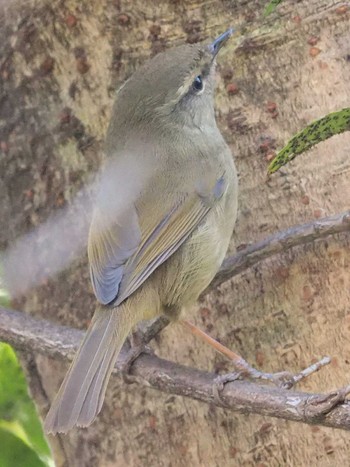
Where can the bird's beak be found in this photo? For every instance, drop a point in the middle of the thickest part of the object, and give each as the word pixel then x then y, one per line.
pixel 216 45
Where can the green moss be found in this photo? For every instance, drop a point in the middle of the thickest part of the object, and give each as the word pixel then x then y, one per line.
pixel 320 130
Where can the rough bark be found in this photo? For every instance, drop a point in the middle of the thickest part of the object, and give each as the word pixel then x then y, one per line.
pixel 333 409
pixel 60 62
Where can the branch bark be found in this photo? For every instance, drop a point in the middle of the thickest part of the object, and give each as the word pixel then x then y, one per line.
pixel 26 333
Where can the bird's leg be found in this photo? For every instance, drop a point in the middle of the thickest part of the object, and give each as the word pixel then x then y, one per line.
pixel 151 329
pixel 138 341
pixel 282 379
pixel 138 345
pixel 242 366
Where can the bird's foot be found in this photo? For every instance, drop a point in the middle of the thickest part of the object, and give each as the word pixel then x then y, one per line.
pixel 219 384
pixel 137 347
pixel 282 379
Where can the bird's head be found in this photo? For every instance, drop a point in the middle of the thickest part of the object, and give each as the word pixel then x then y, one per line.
pixel 173 88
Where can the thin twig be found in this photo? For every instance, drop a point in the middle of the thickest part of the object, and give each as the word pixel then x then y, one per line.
pixel 40 336
pixel 313 368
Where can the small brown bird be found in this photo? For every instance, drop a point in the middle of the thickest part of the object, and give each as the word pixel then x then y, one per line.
pixel 157 253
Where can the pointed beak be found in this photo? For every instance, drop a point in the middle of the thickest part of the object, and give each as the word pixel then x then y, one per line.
pixel 216 45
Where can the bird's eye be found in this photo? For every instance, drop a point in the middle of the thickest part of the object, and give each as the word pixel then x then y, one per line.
pixel 198 83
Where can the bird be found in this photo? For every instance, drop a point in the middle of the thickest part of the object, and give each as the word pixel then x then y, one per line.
pixel 153 250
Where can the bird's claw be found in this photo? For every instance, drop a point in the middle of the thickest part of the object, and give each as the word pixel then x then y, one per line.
pixel 283 379
pixel 219 384
pixel 137 347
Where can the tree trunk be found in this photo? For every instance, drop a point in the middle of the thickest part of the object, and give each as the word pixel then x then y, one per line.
pixel 60 63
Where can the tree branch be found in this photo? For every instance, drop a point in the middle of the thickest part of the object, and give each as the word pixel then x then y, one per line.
pixel 26 333
pixel 279 242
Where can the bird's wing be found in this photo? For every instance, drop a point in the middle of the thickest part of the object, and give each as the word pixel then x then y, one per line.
pixel 122 257
pixel 110 246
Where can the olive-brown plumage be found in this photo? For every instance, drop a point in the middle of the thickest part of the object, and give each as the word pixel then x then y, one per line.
pixel 157 252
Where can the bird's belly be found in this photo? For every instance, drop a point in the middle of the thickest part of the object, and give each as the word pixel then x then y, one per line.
pixel 190 270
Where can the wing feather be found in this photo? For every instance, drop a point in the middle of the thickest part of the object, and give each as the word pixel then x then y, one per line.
pixel 122 257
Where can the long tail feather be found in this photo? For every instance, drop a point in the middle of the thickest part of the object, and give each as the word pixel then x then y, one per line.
pixel 81 394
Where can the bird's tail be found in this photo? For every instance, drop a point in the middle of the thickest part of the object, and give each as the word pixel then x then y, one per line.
pixel 81 394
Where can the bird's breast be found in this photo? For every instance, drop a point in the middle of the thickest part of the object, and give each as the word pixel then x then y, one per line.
pixel 190 270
